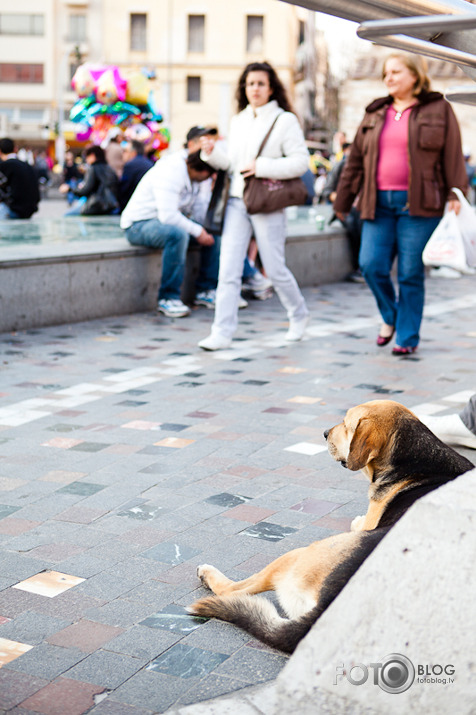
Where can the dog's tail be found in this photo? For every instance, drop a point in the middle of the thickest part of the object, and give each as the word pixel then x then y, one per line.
pixel 257 616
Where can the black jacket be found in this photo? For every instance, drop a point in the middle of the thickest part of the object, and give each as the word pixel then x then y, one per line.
pixel 19 188
pixel 101 188
pixel 132 173
pixel 97 174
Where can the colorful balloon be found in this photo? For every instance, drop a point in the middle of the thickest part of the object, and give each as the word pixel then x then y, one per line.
pixel 83 81
pixel 152 108
pixel 138 132
pixel 137 88
pixel 83 132
pixel 106 99
pixel 106 89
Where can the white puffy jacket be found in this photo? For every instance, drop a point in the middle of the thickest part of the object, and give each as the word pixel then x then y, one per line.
pixel 284 156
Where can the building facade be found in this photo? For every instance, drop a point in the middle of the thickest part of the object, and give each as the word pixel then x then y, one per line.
pixel 195 51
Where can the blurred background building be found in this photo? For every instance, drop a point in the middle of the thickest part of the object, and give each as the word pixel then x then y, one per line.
pixel 195 55
pixel 194 52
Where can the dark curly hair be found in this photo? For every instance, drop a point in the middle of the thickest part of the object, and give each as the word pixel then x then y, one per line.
pixel 98 152
pixel 279 93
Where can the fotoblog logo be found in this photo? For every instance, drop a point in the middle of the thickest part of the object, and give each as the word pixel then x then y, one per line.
pixel 395 673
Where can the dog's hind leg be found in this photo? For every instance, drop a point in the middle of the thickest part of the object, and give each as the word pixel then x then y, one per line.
pixel 294 600
pixel 264 580
pixel 213 579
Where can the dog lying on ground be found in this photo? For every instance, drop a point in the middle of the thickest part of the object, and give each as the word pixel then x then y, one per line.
pixel 403 461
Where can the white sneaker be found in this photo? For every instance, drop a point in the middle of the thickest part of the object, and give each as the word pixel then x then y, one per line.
pixel 450 429
pixel 445 272
pixel 242 303
pixel 173 308
pixel 215 342
pixel 297 328
pixel 263 294
pixel 206 298
pixel 257 282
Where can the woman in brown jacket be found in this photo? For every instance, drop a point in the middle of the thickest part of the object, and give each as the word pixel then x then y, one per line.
pixel 405 159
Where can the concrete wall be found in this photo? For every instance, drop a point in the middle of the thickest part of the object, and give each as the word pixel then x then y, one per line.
pixel 64 283
pixel 54 289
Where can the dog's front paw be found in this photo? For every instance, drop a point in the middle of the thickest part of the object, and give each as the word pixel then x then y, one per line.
pixel 203 572
pixel 357 523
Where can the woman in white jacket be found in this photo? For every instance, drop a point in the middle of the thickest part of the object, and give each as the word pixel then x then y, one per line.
pixel 261 98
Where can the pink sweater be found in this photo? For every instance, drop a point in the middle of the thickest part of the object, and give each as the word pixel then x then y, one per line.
pixel 393 166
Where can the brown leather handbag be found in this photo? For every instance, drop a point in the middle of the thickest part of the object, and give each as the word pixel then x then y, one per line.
pixel 263 196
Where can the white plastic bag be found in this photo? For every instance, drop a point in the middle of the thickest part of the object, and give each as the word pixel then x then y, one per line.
pixel 445 246
pixel 467 225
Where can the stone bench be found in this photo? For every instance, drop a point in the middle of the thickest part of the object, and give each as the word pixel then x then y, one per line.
pixel 55 271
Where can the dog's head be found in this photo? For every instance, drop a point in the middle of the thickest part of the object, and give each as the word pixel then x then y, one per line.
pixel 366 436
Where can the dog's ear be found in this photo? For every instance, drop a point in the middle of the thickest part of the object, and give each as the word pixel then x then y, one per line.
pixel 365 445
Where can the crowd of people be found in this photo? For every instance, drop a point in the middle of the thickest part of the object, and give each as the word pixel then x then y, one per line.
pixel 389 188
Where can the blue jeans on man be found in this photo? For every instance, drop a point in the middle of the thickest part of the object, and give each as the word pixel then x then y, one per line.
pixel 393 233
pixel 174 242
pixel 6 212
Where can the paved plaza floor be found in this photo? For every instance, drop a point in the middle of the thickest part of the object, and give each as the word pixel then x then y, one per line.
pixel 128 456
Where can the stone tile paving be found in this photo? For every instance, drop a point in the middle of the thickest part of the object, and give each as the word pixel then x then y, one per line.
pixel 128 457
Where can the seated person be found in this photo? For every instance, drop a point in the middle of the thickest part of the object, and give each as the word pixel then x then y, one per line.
pixel 166 211
pixel 19 192
pixel 99 192
pixel 136 164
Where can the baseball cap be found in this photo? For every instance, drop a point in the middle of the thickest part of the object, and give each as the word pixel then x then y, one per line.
pixel 200 131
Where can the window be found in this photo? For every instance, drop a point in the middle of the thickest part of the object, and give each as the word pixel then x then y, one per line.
pixel 254 34
pixel 11 24
pixel 31 115
pixel 196 33
pixel 7 111
pixel 77 28
pixel 194 89
pixel 21 74
pixel 302 32
pixel 139 32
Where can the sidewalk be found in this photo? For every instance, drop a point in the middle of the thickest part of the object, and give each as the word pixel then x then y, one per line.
pixel 128 457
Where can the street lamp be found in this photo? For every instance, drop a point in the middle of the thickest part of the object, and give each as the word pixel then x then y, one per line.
pixel 60 142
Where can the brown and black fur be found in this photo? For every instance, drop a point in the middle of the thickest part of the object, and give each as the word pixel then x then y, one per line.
pixel 403 461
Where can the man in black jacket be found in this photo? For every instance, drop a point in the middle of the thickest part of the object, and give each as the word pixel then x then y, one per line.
pixel 19 193
pixel 135 166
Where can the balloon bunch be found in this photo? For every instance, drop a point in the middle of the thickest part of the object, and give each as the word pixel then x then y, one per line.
pixel 108 98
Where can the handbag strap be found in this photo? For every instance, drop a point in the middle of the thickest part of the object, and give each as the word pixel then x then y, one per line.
pixel 267 136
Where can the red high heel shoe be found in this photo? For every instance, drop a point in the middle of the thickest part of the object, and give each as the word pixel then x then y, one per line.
pixel 382 340
pixel 397 350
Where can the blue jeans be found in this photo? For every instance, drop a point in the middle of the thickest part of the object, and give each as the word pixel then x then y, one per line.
pixel 6 212
pixel 174 242
pixel 393 233
pixel 248 270
pixel 76 207
pixel 207 278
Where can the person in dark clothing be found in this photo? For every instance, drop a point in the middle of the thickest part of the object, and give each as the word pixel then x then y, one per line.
pixel 71 175
pixel 19 193
pixel 99 192
pixel 353 222
pixel 135 166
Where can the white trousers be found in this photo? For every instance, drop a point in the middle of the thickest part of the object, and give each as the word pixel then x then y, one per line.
pixel 269 231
